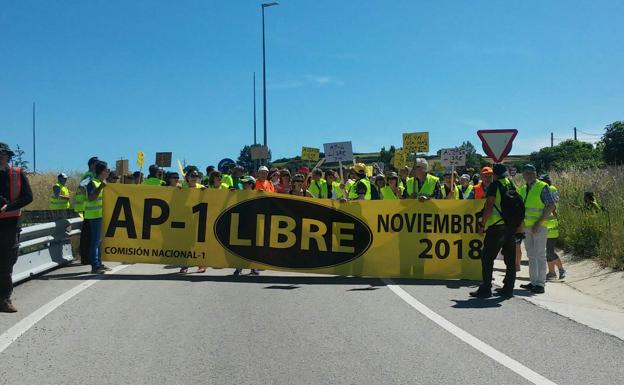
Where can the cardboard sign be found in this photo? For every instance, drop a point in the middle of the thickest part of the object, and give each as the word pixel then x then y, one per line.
pixel 163 159
pixel 310 153
pixel 122 167
pixel 338 152
pixel 140 159
pixel 453 157
pixel 400 159
pixel 259 152
pixel 416 142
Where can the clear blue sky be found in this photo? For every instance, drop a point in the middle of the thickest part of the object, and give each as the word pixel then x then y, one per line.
pixel 113 77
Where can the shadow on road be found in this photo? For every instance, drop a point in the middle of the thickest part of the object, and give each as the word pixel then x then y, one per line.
pixel 293 281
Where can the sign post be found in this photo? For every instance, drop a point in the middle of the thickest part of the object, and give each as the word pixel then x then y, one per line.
pixel 497 143
pixel 453 157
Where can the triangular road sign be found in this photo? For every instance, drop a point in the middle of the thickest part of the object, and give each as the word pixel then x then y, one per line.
pixel 497 143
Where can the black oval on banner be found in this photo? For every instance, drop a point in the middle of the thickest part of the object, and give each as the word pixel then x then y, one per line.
pixel 291 233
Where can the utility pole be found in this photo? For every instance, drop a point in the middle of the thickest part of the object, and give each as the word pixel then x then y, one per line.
pixel 34 141
pixel 254 107
pixel 552 139
pixel 575 133
pixel 264 101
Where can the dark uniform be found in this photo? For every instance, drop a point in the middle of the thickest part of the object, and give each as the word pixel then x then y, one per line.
pixel 15 193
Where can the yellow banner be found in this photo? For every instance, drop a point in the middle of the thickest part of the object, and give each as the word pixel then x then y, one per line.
pixel 250 229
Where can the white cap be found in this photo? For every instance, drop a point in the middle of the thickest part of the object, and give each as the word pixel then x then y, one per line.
pixel 465 176
pixel 263 168
pixel 62 175
pixel 422 162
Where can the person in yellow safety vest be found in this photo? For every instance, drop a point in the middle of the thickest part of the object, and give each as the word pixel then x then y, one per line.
pixel 466 186
pixel 552 224
pixel 351 179
pixel 191 178
pixel 448 191
pixel 336 192
pixel 318 186
pixel 81 192
pixel 153 179
pixel 215 181
pixel 539 205
pixel 392 189
pixel 60 199
pixel 361 188
pixel 498 236
pixel 379 182
pixel 93 212
pixel 79 207
pixel 226 174
pixel 403 174
pixel 421 185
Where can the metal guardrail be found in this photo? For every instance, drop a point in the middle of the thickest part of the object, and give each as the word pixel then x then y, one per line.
pixel 45 246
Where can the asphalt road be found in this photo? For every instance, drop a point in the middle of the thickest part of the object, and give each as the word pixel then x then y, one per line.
pixel 146 324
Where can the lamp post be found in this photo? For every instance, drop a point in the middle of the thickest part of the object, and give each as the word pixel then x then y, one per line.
pixel 264 5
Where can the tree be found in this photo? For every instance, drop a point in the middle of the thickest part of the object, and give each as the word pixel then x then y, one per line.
pixel 386 156
pixel 567 154
pixel 473 160
pixel 18 159
pixel 613 143
pixel 244 159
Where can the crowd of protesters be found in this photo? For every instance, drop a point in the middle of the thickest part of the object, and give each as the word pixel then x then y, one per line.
pixel 539 230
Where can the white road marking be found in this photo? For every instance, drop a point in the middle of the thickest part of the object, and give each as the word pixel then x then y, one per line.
pixel 17 330
pixel 468 338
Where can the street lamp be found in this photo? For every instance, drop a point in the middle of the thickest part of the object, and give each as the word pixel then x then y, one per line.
pixel 264 5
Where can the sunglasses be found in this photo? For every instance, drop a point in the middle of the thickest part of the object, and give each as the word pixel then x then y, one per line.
pixel 194 175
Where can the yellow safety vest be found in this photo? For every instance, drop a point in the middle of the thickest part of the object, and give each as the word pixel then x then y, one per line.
pixel 227 179
pixel 81 194
pixel 387 193
pixel 496 218
pixel 443 189
pixel 533 205
pixel 468 190
pixel 336 191
pixel 552 223
pixel 93 209
pixel 223 186
pixel 353 193
pixel 57 203
pixel 197 185
pixel 318 188
pixel 427 189
pixel 153 181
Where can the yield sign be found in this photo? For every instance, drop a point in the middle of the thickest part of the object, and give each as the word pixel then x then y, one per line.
pixel 497 143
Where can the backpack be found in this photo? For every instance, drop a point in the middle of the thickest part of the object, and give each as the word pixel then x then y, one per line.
pixel 511 207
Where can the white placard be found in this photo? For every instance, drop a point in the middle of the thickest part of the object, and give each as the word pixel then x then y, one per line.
pixel 338 152
pixel 453 157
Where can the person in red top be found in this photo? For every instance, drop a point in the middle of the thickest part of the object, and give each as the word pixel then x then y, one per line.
pixel 479 190
pixel 262 183
pixel 15 193
pixel 284 185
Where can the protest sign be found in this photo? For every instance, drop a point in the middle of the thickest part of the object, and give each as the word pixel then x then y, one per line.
pixel 416 142
pixel 140 159
pixel 437 239
pixel 338 152
pixel 310 154
pixel 400 159
pixel 453 157
pixel 259 152
pixel 163 159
